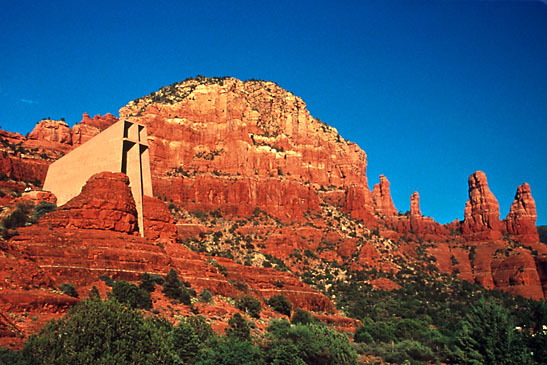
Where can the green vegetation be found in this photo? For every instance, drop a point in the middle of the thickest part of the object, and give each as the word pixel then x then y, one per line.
pixel 433 320
pixel 173 288
pixel 97 332
pixel 249 304
pixel 68 289
pixel 206 296
pixel 42 209
pixel 131 295
pixel 280 304
pixel 301 316
pixel 109 332
pixel 24 214
pixel 315 343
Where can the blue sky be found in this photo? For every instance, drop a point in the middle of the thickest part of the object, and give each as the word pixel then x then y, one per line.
pixel 431 90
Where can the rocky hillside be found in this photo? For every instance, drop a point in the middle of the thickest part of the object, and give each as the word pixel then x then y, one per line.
pixel 252 196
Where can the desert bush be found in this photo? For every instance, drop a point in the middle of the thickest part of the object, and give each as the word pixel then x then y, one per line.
pixel 130 294
pixel 97 332
pixel 68 289
pixel 250 305
pixel 205 296
pixel 300 316
pixel 42 209
pixel 147 282
pixel 238 327
pixel 280 304
pixel 173 288
pixel 313 343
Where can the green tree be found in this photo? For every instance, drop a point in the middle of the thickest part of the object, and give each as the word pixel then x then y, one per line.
pixel 280 304
pixel 412 351
pixel 8 356
pixel 130 294
pixel 174 289
pixel 42 209
pixel 97 332
pixel 312 343
pixel 249 304
pixel 238 327
pixel 201 327
pixel 230 351
pixel 301 316
pixel 147 282
pixel 205 296
pixel 185 343
pixel 488 336
pixel 68 289
pixel 379 331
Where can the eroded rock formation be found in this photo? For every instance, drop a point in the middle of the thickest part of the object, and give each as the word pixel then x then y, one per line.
pixel 521 220
pixel 104 203
pixel 246 144
pixel 381 196
pixel 482 212
pixel 228 147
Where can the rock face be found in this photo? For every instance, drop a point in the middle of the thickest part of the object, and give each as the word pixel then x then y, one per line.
pixel 242 143
pixel 381 195
pixel 521 220
pixel 481 217
pixel 104 203
pixel 415 205
pixel 17 162
pixel 52 131
pixel 416 221
pixel 89 128
pixel 158 221
pixel 517 274
pixel 27 159
pixel 221 148
pixel 359 203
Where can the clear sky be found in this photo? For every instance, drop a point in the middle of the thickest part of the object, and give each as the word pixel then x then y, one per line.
pixel 431 90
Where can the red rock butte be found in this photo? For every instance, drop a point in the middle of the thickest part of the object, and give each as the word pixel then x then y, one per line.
pixel 122 147
pixel 249 174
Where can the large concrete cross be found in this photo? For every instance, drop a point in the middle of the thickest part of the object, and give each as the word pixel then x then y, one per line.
pixel 123 147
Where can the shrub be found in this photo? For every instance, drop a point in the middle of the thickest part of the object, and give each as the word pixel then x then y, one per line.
pixel 17 218
pixel 362 336
pixel 231 351
pixel 301 316
pixel 42 209
pixel 488 336
pixel 8 356
pixel 221 269
pixel 313 343
pixel 205 296
pixel 378 331
pixel 107 280
pixel 130 294
pixel 174 289
pixel 185 343
pixel 201 327
pixel 238 327
pixel 280 304
pixel 97 332
pixel 68 289
pixel 147 283
pixel 409 350
pixel 250 305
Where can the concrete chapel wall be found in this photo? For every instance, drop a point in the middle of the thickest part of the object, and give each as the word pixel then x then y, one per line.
pixel 123 147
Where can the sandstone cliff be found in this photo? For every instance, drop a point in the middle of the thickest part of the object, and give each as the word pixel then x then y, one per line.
pixel 252 194
pixel 482 212
pixel 521 220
